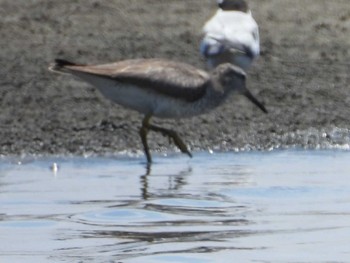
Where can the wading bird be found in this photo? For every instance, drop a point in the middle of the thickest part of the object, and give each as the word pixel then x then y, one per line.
pixel 161 88
pixel 231 36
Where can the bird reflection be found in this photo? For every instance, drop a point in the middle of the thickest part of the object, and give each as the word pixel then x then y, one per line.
pixel 144 183
pixel 175 181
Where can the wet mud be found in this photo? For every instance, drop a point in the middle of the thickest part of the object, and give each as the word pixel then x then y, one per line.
pixel 302 75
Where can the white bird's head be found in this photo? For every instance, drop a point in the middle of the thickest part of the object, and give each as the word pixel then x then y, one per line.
pixel 233 5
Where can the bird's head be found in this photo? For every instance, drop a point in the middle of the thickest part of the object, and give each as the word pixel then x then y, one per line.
pixel 233 78
pixel 233 5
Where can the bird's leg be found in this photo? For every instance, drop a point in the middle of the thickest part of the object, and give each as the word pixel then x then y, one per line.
pixel 143 134
pixel 173 135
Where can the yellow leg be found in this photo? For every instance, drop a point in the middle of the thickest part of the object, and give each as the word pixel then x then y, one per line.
pixel 143 134
pixel 146 127
pixel 173 135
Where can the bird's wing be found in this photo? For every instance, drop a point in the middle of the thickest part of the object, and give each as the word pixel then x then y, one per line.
pixel 244 33
pixel 158 75
pixel 213 36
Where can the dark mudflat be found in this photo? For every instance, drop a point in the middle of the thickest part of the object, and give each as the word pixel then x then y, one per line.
pixel 302 75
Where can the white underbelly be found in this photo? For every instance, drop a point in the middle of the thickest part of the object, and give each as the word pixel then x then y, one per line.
pixel 145 101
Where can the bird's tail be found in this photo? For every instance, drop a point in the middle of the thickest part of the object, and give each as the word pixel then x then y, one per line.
pixel 61 66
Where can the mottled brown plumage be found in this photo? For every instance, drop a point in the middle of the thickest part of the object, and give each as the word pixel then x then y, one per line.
pixel 166 77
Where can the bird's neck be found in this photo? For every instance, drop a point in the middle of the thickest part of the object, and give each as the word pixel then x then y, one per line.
pixel 216 93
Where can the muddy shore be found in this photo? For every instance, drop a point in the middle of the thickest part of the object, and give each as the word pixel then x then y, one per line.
pixel 302 75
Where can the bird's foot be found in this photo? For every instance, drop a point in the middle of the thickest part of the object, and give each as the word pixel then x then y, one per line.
pixel 174 136
pixel 180 144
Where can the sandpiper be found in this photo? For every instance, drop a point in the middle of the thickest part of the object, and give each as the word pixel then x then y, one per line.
pixel 161 88
pixel 231 35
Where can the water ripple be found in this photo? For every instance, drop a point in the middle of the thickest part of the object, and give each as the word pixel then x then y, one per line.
pixel 250 207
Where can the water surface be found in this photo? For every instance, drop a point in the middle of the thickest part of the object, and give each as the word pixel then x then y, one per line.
pixel 282 206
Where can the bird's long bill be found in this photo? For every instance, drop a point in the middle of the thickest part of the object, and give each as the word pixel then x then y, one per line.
pixel 251 97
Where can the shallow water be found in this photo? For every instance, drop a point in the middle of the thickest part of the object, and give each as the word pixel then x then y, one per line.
pixel 282 206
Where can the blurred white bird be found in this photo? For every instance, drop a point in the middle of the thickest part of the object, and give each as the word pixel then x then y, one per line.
pixel 231 35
